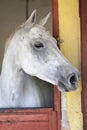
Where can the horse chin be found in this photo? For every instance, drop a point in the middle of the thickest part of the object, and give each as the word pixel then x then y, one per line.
pixel 65 88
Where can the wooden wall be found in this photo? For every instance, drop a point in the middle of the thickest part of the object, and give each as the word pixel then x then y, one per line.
pixel 83 16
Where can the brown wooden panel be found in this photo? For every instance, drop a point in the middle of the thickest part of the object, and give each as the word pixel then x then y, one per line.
pixel 24 126
pixel 83 16
pixel 25 110
pixel 29 121
pixel 57 107
pixel 53 121
pixel 23 117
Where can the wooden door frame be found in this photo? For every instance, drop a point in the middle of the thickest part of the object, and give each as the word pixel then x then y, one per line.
pixel 83 19
pixel 55 18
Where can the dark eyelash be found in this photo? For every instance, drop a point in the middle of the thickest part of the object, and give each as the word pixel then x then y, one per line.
pixel 39 45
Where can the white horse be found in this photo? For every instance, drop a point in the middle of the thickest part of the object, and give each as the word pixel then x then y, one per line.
pixel 32 64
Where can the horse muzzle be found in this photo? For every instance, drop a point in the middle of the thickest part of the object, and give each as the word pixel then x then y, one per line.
pixel 68 80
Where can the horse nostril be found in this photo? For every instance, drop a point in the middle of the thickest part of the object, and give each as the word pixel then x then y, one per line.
pixel 73 79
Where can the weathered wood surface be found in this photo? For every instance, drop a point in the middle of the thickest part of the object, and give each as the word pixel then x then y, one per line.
pixel 83 16
pixel 28 119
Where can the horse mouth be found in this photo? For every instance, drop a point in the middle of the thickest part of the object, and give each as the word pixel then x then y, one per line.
pixel 65 88
pixel 69 84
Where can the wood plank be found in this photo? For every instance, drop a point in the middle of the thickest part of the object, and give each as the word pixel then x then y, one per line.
pixel 32 121
pixel 23 117
pixel 25 110
pixel 25 126
pixel 57 107
pixel 83 16
pixel 55 18
pixel 53 121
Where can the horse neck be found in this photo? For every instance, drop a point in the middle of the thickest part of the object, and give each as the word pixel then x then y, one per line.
pixel 12 81
pixel 10 69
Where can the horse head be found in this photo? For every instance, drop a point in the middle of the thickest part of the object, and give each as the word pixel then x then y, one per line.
pixel 40 56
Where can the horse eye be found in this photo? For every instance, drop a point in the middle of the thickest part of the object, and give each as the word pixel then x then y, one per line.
pixel 39 45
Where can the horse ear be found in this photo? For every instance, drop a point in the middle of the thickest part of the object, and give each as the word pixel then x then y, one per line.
pixel 31 20
pixel 44 20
